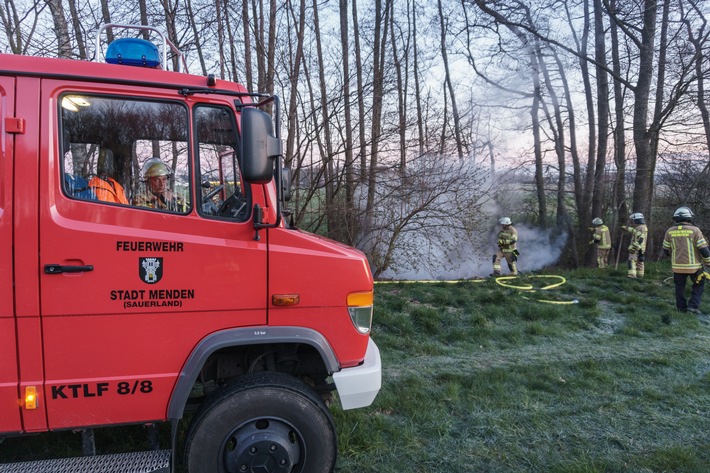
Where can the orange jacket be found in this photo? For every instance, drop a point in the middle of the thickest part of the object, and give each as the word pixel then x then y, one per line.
pixel 108 190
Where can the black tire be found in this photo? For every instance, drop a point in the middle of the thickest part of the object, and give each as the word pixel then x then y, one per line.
pixel 264 422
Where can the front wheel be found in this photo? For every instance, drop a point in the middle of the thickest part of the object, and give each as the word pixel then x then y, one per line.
pixel 265 423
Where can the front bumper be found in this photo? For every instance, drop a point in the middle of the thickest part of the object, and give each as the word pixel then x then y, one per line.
pixel 358 386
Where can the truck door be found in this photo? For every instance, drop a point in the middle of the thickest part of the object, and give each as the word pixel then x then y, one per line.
pixel 129 287
pixel 9 388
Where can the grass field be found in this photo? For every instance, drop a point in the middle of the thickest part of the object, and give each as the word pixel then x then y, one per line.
pixel 478 377
pixel 483 378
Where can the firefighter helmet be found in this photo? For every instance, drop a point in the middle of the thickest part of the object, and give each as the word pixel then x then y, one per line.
pixel 154 167
pixel 637 217
pixel 505 221
pixel 105 165
pixel 683 214
pixel 597 221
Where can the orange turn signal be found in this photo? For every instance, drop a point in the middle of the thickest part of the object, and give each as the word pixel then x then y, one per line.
pixel 30 397
pixel 285 299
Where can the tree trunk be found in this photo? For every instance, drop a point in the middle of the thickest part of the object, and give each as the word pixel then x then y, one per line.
pixel 271 52
pixel 106 16
pixel 619 200
pixel 602 117
pixel 534 115
pixel 558 132
pixel 246 28
pixel 294 76
pixel 76 25
pixel 64 49
pixel 449 84
pixel 196 34
pixel 417 86
pixel 258 25
pixel 378 73
pixel 642 137
pixel 232 44
pixel 360 96
pixel 401 101
pixel 333 213
pixel 220 36
pixel 698 41
pixel 13 26
pixel 350 174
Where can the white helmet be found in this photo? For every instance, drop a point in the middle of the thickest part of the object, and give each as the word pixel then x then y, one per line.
pixel 505 221
pixel 637 217
pixel 683 214
pixel 154 167
pixel 597 221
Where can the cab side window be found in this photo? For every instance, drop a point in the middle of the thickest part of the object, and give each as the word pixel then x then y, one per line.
pixel 219 177
pixel 125 152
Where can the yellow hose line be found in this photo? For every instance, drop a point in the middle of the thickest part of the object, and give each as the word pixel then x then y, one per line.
pixel 502 281
pixel 430 281
pixel 547 301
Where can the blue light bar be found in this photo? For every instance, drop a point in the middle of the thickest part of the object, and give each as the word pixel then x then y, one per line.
pixel 133 52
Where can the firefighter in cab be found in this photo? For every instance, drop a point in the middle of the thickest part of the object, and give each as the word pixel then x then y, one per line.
pixel 690 258
pixel 507 248
pixel 637 247
pixel 105 186
pixel 157 193
pixel 602 239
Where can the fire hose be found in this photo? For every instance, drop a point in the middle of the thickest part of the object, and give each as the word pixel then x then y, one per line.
pixel 504 281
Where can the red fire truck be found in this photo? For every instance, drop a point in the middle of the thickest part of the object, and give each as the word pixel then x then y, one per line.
pixel 148 275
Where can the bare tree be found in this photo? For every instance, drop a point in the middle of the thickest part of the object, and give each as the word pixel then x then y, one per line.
pixel 619 131
pixel 106 16
pixel 20 26
pixel 64 48
pixel 78 34
pixel 359 72
pixel 246 29
pixel 378 68
pixel 699 40
pixel 349 164
pixel 449 84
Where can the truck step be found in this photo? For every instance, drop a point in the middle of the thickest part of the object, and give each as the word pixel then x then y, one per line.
pixel 134 462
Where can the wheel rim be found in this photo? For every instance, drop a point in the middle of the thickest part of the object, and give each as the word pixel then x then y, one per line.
pixel 263 445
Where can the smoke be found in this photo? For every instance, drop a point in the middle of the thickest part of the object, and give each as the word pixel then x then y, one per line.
pixel 539 248
pixel 443 224
pixel 473 257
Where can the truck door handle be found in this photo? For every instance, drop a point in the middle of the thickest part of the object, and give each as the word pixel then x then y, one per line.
pixel 58 269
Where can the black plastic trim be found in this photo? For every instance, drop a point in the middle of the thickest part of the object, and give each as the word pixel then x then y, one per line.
pixel 241 337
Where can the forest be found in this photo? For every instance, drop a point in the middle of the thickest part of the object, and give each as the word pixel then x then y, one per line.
pixel 411 126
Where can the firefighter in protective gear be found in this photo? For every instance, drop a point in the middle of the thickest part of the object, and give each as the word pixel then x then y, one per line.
pixel 157 193
pixel 637 247
pixel 602 239
pixel 507 248
pixel 690 257
pixel 106 187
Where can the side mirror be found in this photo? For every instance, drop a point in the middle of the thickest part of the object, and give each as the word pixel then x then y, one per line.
pixel 260 147
pixel 286 184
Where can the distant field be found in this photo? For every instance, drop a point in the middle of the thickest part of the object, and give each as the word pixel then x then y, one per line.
pixel 484 378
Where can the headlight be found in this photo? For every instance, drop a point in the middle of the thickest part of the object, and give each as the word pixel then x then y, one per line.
pixel 360 309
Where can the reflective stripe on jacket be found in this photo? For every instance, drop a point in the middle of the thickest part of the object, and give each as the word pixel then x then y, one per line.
pixel 639 235
pixel 508 239
pixel 602 237
pixel 685 241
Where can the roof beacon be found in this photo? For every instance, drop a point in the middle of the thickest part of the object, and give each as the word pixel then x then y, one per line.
pixel 136 51
pixel 133 52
